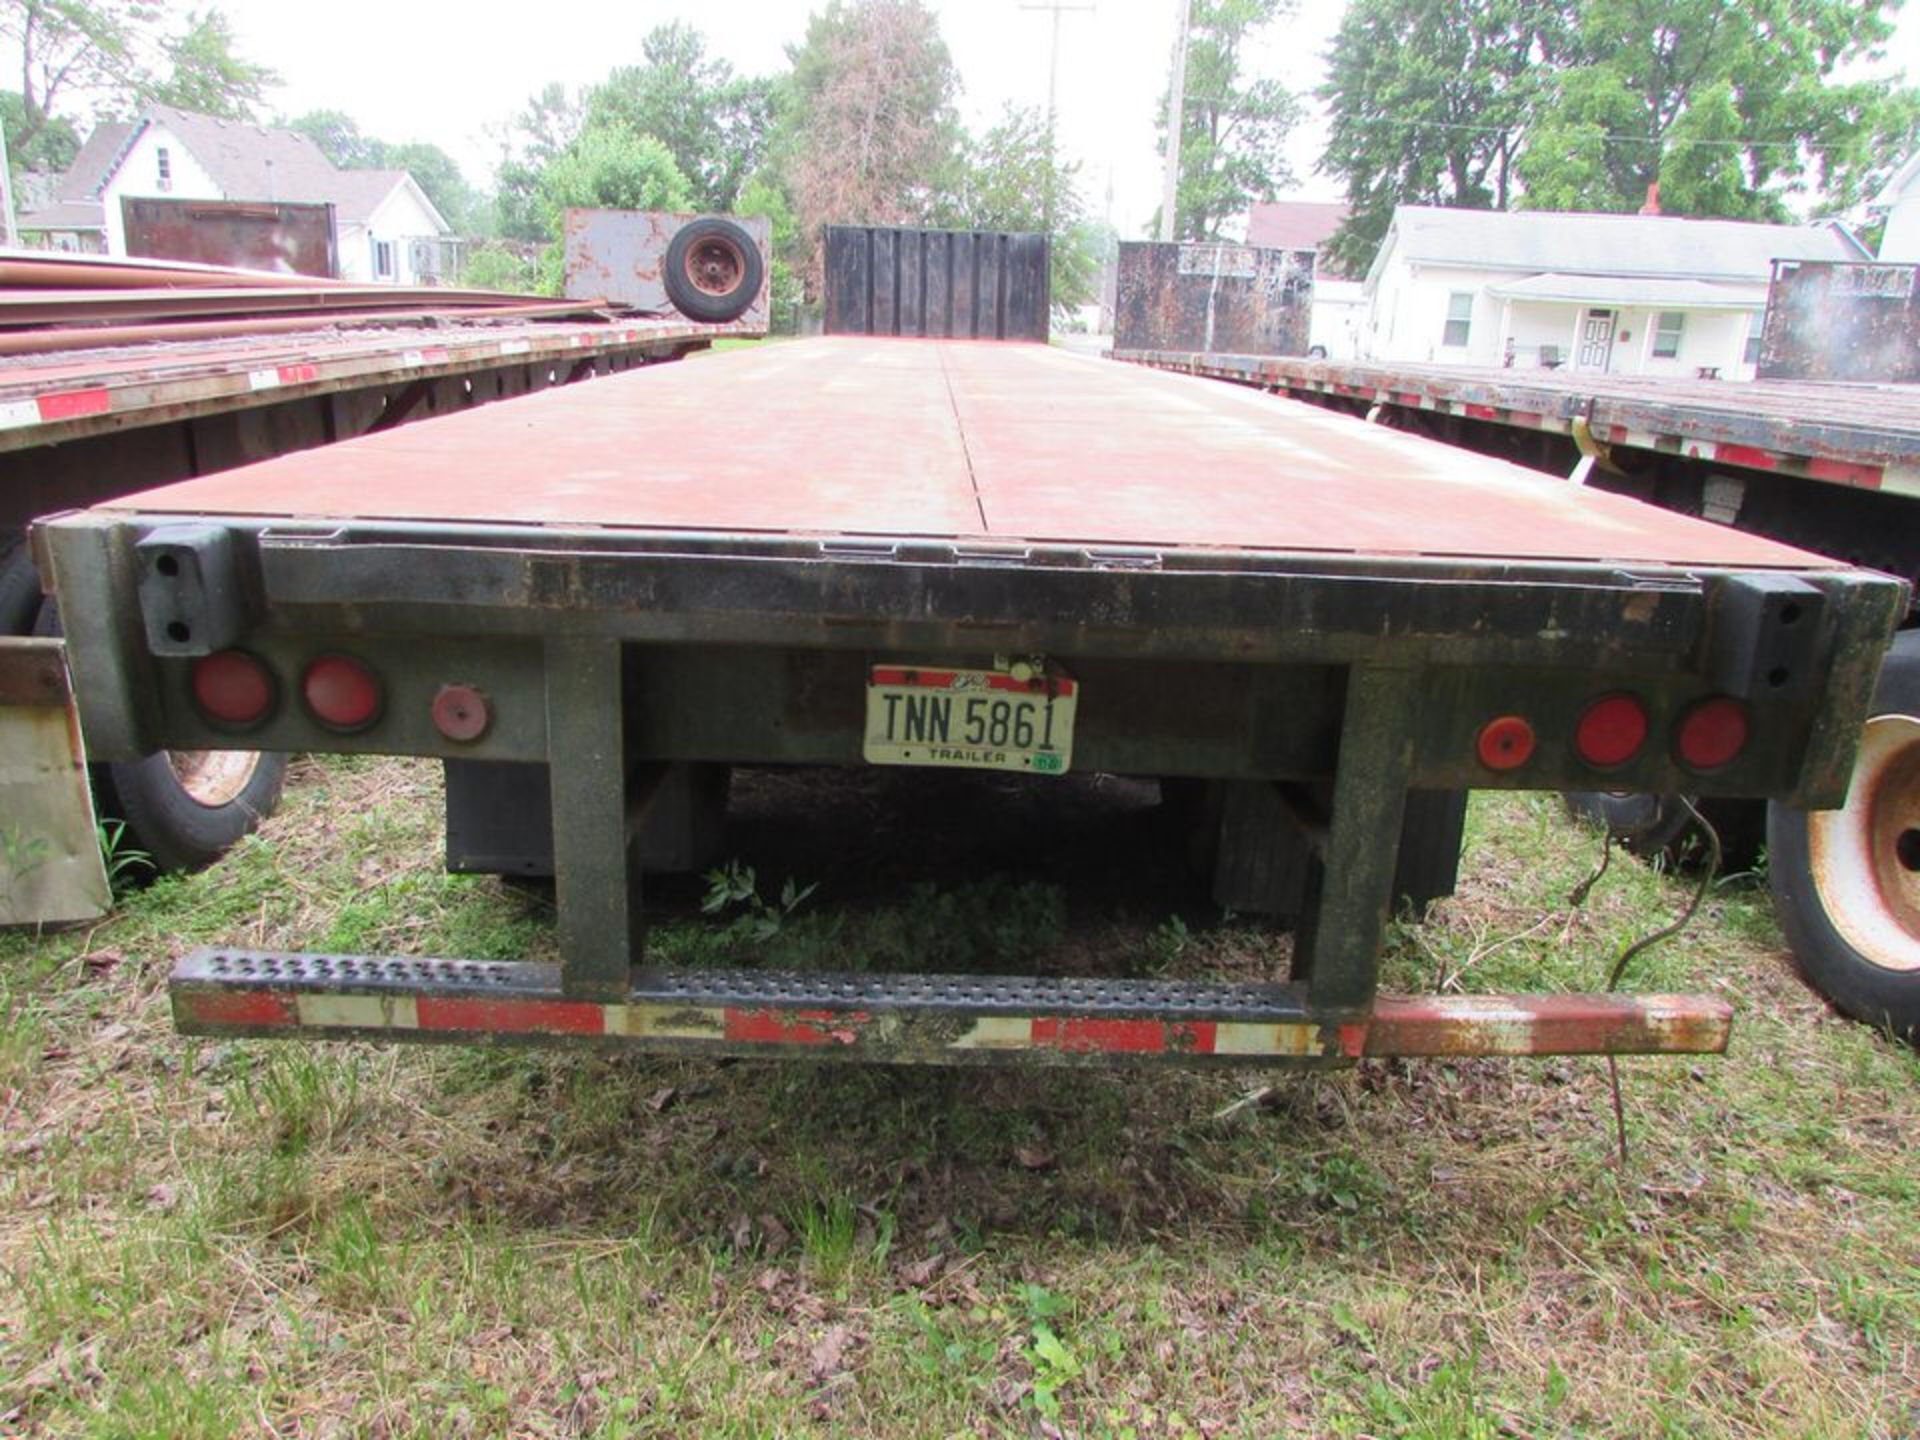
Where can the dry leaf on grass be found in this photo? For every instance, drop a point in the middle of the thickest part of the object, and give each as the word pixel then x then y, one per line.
pixel 827 1360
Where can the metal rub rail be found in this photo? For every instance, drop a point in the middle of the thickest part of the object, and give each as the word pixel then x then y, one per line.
pixel 939 1019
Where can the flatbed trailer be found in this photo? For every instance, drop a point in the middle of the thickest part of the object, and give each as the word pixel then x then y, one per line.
pixel 1739 452
pixel 80 426
pixel 867 551
pixel 1828 466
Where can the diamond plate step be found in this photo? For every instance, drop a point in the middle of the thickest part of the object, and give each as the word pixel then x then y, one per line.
pixel 929 1018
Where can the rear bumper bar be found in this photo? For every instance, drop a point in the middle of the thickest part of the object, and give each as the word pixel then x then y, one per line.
pixel 932 1019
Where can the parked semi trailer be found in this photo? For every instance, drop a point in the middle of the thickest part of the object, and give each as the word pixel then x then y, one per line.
pixel 1833 468
pixel 889 551
pixel 117 376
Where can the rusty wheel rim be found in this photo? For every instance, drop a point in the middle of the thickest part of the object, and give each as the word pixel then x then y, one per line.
pixel 213 777
pixel 1866 856
pixel 715 266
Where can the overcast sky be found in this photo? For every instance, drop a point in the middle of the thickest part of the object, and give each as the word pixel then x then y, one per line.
pixel 448 73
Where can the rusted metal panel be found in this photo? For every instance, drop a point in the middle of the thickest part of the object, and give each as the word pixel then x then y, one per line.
pixel 616 255
pixel 286 239
pixel 967 284
pixel 1213 297
pixel 1842 320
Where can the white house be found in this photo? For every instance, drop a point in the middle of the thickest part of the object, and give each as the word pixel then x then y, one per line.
pixel 1627 294
pixel 385 226
pixel 1899 201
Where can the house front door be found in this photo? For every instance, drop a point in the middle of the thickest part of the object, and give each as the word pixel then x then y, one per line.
pixel 1596 340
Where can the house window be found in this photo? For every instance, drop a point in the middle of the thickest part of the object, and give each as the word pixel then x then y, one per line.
pixel 1459 318
pixel 383 259
pixel 1666 335
pixel 1756 322
pixel 165 162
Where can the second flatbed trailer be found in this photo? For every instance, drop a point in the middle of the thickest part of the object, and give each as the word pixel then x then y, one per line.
pixel 1832 467
pixel 867 551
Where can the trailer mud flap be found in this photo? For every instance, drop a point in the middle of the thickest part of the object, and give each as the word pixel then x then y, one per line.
pixel 934 1019
pixel 50 864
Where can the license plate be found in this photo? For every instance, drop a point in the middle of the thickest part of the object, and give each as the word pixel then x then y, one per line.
pixel 971 719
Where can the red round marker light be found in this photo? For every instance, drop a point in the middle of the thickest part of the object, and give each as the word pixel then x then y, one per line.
pixel 1505 743
pixel 342 693
pixel 1712 733
pixel 1611 731
pixel 461 713
pixel 232 689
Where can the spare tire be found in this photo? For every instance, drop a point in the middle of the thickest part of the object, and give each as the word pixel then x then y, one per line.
pixel 1846 882
pixel 713 270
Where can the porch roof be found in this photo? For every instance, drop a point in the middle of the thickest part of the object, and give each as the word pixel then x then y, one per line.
pixel 1615 290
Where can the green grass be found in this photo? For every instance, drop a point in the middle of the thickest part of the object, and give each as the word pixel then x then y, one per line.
pixel 202 1239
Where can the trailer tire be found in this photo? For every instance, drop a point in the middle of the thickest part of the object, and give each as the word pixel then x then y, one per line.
pixel 19 589
pixel 1429 863
pixel 183 809
pixel 1233 832
pixel 1846 883
pixel 713 270
pixel 1646 824
pixel 1656 827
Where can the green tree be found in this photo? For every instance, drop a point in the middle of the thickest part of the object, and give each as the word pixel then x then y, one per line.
pixel 1428 102
pixel 1011 179
pixel 1665 80
pixel 439 174
pixel 546 125
pixel 866 129
pixel 67 48
pixel 610 167
pixel 107 57
pixel 713 122
pixel 339 138
pixel 1734 109
pixel 1232 129
pixel 204 74
pixel 607 167
pixel 48 149
pixel 436 172
pixel 765 194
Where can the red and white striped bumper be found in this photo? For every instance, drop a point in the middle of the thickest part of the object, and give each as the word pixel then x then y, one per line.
pixel 911 1018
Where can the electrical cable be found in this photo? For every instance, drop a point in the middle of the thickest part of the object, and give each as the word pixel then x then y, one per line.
pixel 1647 942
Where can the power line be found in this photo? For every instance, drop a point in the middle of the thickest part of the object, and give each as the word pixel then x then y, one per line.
pixel 1608 136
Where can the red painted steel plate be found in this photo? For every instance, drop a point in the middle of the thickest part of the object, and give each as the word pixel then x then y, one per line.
pixel 891 437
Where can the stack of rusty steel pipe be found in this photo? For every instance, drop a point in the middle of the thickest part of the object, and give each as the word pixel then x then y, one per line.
pixel 51 301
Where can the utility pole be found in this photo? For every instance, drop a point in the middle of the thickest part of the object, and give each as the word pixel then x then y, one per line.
pixel 1058 8
pixel 1176 118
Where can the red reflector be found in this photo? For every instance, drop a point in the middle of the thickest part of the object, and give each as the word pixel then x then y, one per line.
pixel 1712 733
pixel 1506 743
pixel 232 688
pixel 342 693
pixel 461 713
pixel 1611 731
